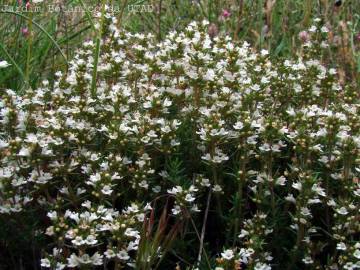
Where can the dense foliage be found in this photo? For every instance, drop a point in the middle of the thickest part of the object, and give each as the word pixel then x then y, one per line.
pixel 194 152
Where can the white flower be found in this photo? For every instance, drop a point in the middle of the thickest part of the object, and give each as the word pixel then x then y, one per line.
pixel 175 190
pixel 319 190
pixel 324 29
pixel 217 188
pixel 350 266
pixel 4 64
pixel 94 179
pixel 245 254
pixel 123 255
pixel 24 152
pixel 86 204
pixel 227 254
pixel 305 211
pixel 131 232
pixel 189 198
pixel 312 28
pixel 252 139
pixel 342 211
pixel 308 260
pixel 291 111
pixel 324 159
pixel 106 190
pixel 255 87
pixel 331 203
pixel 60 266
pixel 262 266
pixel 91 240
pixel 238 125
pixel 341 246
pixel 133 208
pixel 205 182
pixel 3 144
pixel 52 215
pixel 281 181
pixel 144 184
pixel 195 208
pixel 167 102
pixel 276 148
pixel 265 147
pixel 210 75
pixel 31 138
pixel 58 74
pixel 297 186
pixel 243 233
pixel 264 52
pixel 357 254
pixel 109 254
pixel 133 245
pixel 156 189
pixel 78 241
pixel 45 263
pixel 219 156
pixel 216 132
pixel 140 217
pixel 176 210
pixel 73 261
pixel 50 231
pixel 147 207
pixel 97 259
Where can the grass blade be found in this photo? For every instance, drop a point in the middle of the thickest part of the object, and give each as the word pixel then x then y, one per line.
pixel 13 62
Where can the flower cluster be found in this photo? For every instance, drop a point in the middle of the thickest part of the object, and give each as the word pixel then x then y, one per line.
pixel 276 142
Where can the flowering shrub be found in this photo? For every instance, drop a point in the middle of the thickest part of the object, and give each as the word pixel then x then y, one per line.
pixel 243 161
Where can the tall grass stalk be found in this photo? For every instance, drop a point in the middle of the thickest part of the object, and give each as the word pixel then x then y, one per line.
pixel 203 229
pixel 13 62
pixel 29 47
pixel 97 49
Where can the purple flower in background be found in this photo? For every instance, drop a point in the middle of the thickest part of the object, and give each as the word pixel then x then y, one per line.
pixel 357 37
pixel 213 30
pixel 226 13
pixel 304 36
pixel 25 31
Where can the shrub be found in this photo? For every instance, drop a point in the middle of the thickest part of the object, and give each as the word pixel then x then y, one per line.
pixel 194 145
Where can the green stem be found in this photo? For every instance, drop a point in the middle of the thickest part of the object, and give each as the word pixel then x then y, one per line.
pixel 215 180
pixel 203 229
pixel 238 211
pixel 293 257
pixel 97 50
pixel 159 21
pixel 29 48
pixel 121 13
